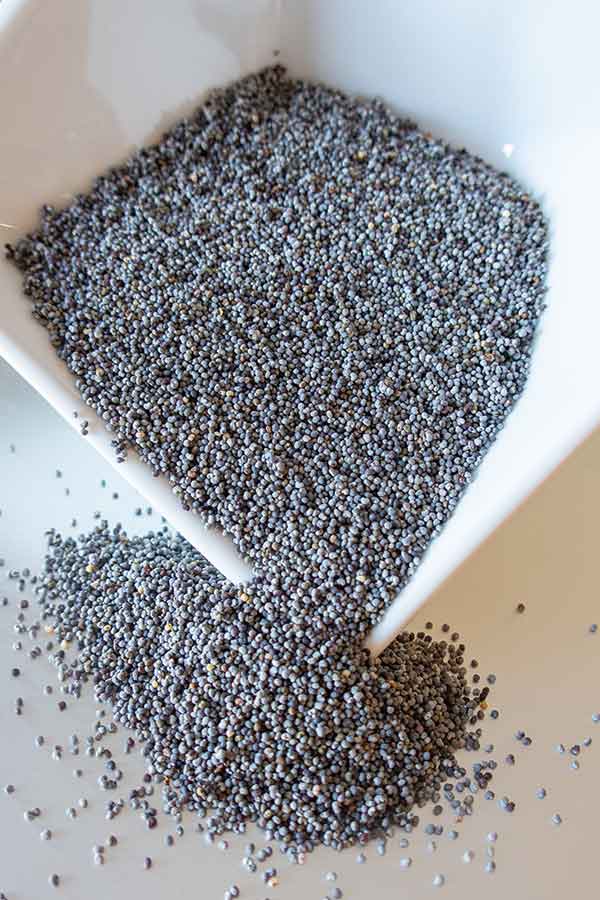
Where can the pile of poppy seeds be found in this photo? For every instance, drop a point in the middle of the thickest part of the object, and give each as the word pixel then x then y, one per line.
pixel 313 319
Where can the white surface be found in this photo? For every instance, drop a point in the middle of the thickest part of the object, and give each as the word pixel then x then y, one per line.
pixel 547 664
pixel 82 84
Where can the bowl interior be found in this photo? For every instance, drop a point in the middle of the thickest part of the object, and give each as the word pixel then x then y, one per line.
pixel 82 85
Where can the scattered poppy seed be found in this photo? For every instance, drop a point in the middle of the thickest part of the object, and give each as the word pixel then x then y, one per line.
pixel 315 567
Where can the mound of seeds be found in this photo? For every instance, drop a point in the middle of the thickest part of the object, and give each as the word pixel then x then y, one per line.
pixel 240 712
pixel 310 316
pixel 313 319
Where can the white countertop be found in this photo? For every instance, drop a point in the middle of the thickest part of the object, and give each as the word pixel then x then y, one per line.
pixel 546 661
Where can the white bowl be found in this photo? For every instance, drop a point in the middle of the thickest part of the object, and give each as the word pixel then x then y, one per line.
pixel 82 85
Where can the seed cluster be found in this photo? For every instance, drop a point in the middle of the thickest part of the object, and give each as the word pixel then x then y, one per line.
pixel 310 316
pixel 313 319
pixel 240 714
